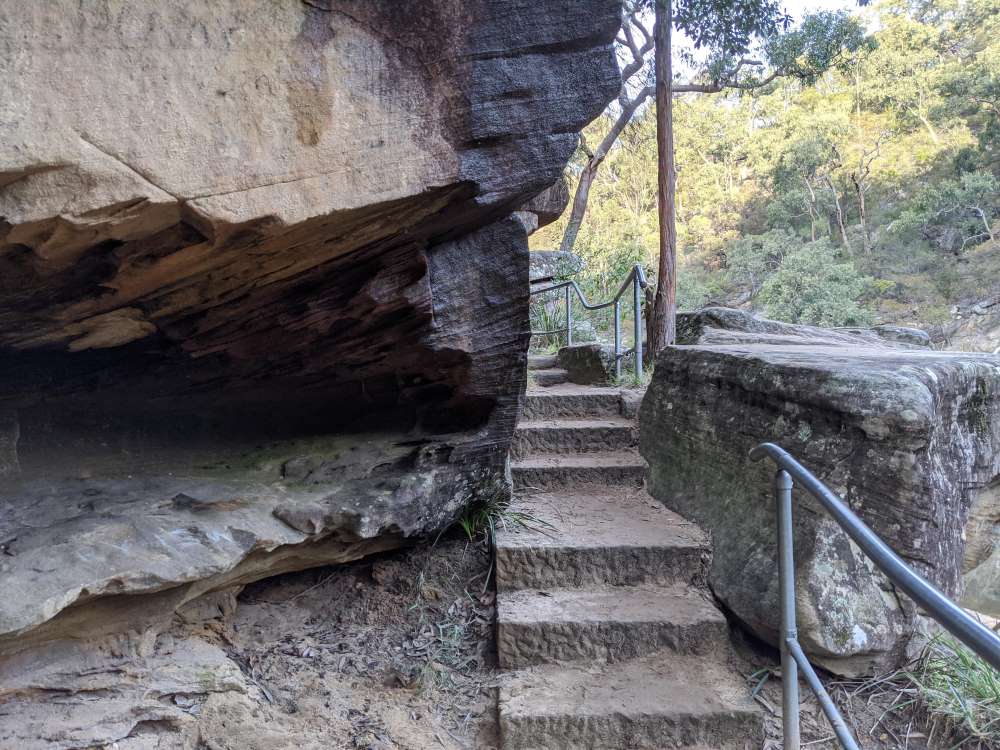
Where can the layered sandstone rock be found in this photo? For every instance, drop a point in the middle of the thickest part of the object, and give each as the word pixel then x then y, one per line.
pixel 911 439
pixel 260 304
pixel 726 325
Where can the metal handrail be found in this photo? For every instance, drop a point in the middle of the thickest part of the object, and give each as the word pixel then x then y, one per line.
pixel 636 280
pixel 953 618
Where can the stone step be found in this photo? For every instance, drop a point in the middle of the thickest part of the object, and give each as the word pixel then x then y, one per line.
pixel 615 538
pixel 548 377
pixel 660 701
pixel 618 469
pixel 568 436
pixel 571 400
pixel 608 623
pixel 542 361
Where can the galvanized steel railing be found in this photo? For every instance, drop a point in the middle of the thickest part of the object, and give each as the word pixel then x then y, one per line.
pixel 636 280
pixel 953 618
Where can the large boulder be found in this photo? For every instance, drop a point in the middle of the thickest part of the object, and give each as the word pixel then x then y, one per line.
pixel 588 364
pixel 553 265
pixel 549 204
pixel 727 325
pixel 262 306
pixel 910 438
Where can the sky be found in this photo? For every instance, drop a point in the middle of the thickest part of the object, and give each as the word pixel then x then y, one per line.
pixel 796 9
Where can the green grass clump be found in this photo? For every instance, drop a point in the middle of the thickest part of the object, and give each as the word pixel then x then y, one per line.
pixel 492 512
pixel 960 694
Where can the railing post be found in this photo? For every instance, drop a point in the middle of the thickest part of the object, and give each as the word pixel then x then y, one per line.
pixel 618 338
pixel 569 319
pixel 786 581
pixel 637 305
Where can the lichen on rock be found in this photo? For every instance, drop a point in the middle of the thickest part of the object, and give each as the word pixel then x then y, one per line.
pixel 904 435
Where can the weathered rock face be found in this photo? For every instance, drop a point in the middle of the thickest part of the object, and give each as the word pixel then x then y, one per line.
pixel 549 204
pixel 974 327
pixel 908 437
pixel 588 364
pixel 981 564
pixel 726 325
pixel 260 306
pixel 553 265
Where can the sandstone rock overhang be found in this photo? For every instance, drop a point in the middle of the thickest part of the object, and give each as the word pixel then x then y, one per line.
pixel 233 233
pixel 910 438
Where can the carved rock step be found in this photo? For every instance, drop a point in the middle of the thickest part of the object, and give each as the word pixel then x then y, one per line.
pixel 542 361
pixel 663 700
pixel 564 436
pixel 614 538
pixel 549 377
pixel 606 624
pixel 619 469
pixel 571 400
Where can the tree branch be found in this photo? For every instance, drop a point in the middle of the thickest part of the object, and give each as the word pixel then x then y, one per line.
pixel 720 86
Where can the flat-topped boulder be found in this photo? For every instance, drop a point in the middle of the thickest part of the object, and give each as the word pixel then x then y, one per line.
pixel 726 325
pixel 910 438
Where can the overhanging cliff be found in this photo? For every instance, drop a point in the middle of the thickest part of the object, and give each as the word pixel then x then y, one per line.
pixel 261 306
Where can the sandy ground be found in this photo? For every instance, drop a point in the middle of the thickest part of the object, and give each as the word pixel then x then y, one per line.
pixel 394 652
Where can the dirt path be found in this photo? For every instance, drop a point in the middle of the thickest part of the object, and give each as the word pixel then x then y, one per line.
pixel 390 653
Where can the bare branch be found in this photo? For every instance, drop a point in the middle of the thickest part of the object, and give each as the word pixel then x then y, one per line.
pixel 645 34
pixel 629 41
pixel 638 61
pixel 720 86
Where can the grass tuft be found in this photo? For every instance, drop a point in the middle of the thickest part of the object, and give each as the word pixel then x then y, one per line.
pixel 492 512
pixel 959 692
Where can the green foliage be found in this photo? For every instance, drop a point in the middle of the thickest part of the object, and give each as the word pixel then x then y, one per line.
pixel 492 511
pixel 823 41
pixel 953 213
pixel 812 286
pixel 754 258
pixel 728 27
pixel 960 691
pixel 900 131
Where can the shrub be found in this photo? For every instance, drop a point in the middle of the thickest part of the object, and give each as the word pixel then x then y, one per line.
pixel 811 286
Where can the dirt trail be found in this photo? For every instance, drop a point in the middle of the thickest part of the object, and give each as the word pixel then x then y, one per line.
pixel 390 653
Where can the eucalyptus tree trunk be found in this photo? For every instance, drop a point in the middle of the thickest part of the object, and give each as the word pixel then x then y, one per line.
pixel 663 322
pixel 594 161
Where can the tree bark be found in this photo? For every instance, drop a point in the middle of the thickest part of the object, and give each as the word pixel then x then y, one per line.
pixel 811 208
pixel 590 171
pixel 841 224
pixel 860 189
pixel 663 325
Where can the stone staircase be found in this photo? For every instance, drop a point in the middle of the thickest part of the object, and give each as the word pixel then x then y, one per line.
pixel 608 634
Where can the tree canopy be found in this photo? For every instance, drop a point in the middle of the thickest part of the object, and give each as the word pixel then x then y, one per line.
pixel 882 157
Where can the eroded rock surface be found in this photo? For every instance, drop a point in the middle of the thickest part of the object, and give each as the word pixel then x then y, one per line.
pixel 974 326
pixel 726 325
pixel 589 364
pixel 262 306
pixel 908 437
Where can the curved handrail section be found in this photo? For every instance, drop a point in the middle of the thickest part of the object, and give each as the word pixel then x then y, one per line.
pixel 636 281
pixel 953 618
pixel 636 274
